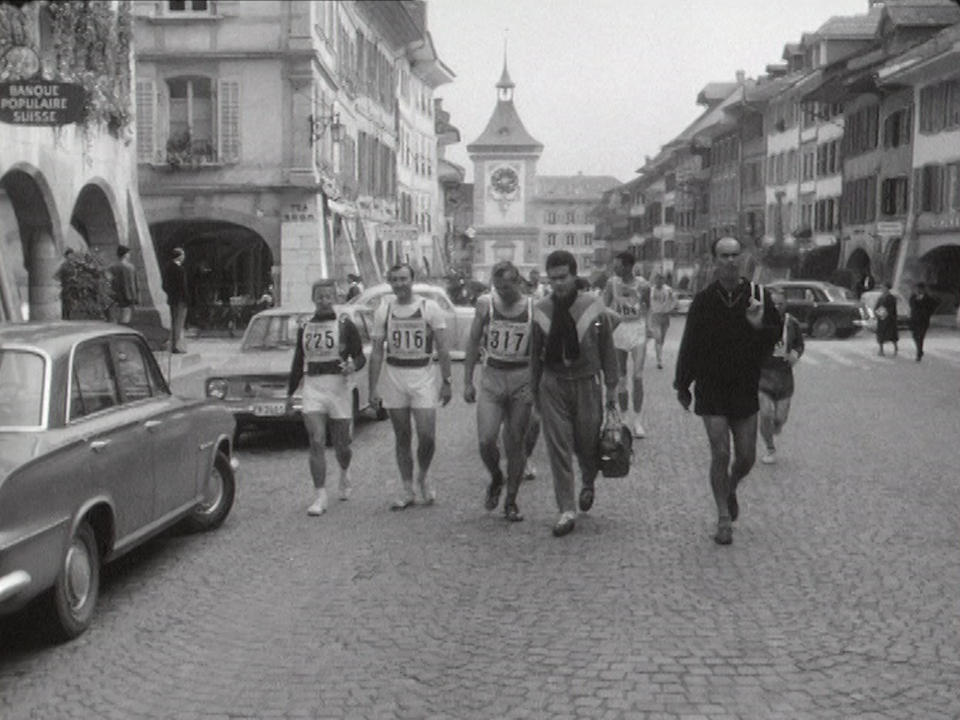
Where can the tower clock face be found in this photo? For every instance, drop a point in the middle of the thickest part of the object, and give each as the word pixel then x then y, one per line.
pixel 504 181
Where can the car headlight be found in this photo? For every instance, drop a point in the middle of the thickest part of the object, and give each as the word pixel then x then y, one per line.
pixel 217 388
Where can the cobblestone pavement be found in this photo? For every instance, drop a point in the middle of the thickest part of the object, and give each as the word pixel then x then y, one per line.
pixel 840 597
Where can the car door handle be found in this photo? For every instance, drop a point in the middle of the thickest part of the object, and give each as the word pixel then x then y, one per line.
pixel 151 424
pixel 98 445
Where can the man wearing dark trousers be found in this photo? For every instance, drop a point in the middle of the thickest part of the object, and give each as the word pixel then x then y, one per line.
pixel 177 290
pixel 922 308
pixel 732 326
pixel 572 358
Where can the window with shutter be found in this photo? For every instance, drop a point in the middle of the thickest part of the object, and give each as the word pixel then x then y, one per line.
pixel 146 121
pixel 229 121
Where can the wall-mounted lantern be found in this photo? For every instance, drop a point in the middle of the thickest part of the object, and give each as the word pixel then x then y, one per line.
pixel 320 123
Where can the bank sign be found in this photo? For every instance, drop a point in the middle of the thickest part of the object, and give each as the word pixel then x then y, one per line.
pixel 41 103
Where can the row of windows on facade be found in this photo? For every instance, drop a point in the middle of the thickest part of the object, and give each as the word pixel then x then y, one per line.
pixel 571 217
pixel 415 210
pixel 570 239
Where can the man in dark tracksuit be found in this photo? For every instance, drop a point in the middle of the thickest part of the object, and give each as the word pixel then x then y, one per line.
pixel 572 356
pixel 732 326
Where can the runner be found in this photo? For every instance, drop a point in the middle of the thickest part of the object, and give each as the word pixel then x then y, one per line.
pixel 776 378
pixel 502 325
pixel 662 303
pixel 329 350
pixel 628 296
pixel 412 329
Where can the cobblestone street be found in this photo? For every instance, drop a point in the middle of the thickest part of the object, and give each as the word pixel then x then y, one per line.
pixel 840 597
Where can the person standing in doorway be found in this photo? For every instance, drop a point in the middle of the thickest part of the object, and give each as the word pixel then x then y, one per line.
pixel 731 328
pixel 662 303
pixel 502 325
pixel 406 332
pixel 572 359
pixel 329 351
pixel 922 308
pixel 123 286
pixel 628 296
pixel 178 298
pixel 776 378
pixel 886 311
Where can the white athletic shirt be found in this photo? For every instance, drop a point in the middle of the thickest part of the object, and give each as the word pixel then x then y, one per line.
pixel 628 298
pixel 662 301
pixel 508 337
pixel 408 329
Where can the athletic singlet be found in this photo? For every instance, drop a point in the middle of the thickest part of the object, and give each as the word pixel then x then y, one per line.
pixel 627 299
pixel 661 301
pixel 322 346
pixel 508 338
pixel 409 339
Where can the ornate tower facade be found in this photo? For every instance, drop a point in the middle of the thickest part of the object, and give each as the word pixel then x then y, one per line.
pixel 505 178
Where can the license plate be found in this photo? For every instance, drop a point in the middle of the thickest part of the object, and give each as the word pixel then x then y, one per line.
pixel 269 409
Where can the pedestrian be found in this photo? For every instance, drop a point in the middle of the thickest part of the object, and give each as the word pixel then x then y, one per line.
pixel 535 286
pixel 731 327
pixel 329 351
pixel 922 308
pixel 865 283
pixel 178 297
pixel 355 287
pixel 572 357
pixel 628 296
pixel 776 378
pixel 123 287
pixel 662 303
pixel 886 311
pixel 403 379
pixel 502 325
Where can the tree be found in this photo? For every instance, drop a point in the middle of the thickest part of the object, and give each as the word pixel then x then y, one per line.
pixel 84 287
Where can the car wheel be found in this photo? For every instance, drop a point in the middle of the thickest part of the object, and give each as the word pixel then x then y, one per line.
pixel 219 491
pixel 70 603
pixel 824 328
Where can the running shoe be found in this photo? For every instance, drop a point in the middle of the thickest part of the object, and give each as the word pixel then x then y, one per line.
pixel 493 491
pixel 511 512
pixel 638 431
pixel 428 493
pixel 405 500
pixel 724 534
pixel 770 458
pixel 529 472
pixel 320 504
pixel 565 524
pixel 344 485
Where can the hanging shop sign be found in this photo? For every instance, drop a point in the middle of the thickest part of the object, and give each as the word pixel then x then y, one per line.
pixel 41 103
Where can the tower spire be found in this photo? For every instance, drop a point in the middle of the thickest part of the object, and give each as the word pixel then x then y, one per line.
pixel 505 86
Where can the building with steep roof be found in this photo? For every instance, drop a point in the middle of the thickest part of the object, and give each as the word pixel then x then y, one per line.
pixel 505 180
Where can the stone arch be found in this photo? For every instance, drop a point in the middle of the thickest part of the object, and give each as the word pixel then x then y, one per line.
pixel 96 219
pixel 224 261
pixel 30 248
pixel 940 269
pixel 858 261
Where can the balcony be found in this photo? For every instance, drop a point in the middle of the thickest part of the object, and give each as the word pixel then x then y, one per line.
pixel 183 153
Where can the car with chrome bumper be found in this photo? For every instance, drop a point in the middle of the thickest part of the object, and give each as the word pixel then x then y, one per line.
pixel 823 310
pixel 96 456
pixel 253 385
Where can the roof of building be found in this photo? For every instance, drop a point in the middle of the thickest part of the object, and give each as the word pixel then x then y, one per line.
pixel 574 187
pixel 939 43
pixel 851 26
pixel 919 13
pixel 715 92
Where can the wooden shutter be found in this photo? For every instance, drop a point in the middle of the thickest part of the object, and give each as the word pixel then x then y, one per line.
pixel 228 117
pixel 146 121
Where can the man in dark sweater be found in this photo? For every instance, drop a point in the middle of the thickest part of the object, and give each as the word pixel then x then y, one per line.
pixel 329 351
pixel 178 298
pixel 732 326
pixel 922 308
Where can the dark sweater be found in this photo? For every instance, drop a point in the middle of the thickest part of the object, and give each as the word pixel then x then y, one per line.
pixel 721 353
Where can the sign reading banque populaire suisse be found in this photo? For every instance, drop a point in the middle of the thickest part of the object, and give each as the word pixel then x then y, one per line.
pixel 40 102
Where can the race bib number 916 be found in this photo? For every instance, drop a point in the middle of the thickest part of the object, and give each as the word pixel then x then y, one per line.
pixel 408 338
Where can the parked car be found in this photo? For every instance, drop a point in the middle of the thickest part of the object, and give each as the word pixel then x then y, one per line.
pixel 459 317
pixel 823 310
pixel 869 300
pixel 253 385
pixel 684 299
pixel 96 456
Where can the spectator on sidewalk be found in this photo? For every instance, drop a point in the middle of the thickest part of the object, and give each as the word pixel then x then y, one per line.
pixel 886 311
pixel 178 297
pixel 123 287
pixel 922 309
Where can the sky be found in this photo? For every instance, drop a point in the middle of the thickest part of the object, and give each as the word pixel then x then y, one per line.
pixel 603 83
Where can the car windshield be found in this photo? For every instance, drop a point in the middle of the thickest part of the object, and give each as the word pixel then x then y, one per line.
pixel 21 389
pixel 271 332
pixel 835 293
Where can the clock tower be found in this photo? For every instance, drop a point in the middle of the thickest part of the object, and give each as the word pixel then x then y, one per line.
pixel 504 176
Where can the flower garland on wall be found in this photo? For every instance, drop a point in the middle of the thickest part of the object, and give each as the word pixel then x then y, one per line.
pixel 91 46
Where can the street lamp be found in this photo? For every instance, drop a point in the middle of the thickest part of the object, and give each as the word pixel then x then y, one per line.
pixel 320 123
